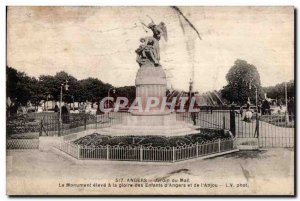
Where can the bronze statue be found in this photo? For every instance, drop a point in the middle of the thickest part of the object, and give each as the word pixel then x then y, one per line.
pixel 148 51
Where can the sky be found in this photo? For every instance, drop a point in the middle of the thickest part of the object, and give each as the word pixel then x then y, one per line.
pixel 100 42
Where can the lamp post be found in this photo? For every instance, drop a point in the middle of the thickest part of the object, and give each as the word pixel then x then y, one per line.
pixel 114 91
pixel 61 93
pixel 190 90
pixel 286 97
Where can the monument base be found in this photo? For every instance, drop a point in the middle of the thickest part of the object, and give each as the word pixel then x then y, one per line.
pixel 162 125
pixel 150 82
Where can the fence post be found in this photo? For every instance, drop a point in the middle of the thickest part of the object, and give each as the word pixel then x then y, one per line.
pixel 219 144
pixel 257 129
pixel 232 122
pixel 224 121
pixel 141 153
pixel 173 154
pixel 257 125
pixel 78 148
pixel 41 128
pixel 107 152
pixel 59 128
pixel 197 149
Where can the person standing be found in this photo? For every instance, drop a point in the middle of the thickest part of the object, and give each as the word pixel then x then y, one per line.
pixel 241 111
pixel 194 116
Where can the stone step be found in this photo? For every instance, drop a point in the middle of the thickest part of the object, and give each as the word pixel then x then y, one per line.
pixel 147 134
pixel 174 125
pixel 147 128
pixel 125 127
pixel 117 131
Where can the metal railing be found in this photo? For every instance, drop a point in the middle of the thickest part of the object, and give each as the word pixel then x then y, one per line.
pixel 147 153
pixel 49 125
pixel 276 131
pixel 207 118
pixel 22 143
pixel 271 130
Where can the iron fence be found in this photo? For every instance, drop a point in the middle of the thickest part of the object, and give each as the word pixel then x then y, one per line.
pixel 246 128
pixel 275 130
pixel 147 153
pixel 22 144
pixel 70 148
pixel 271 130
pixel 21 124
pixel 50 125
pixel 207 118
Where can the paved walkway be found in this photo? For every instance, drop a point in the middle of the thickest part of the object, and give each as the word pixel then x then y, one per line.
pixel 257 172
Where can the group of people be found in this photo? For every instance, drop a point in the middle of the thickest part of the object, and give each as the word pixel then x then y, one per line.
pixel 246 115
pixel 264 108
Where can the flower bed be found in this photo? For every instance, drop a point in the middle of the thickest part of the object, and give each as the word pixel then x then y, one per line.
pixel 205 135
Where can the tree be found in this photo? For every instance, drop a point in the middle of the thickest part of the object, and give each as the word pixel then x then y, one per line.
pixel 51 86
pixel 36 91
pixel 19 88
pixel 11 90
pixel 239 77
pixel 278 91
pixel 126 91
pixel 92 89
pixel 61 77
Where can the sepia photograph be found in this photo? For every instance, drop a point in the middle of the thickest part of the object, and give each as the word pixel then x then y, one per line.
pixel 150 100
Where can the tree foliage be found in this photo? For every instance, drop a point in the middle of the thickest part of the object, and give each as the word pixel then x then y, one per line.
pixel 51 86
pixel 278 91
pixel 92 89
pixel 126 91
pixel 22 89
pixel 239 77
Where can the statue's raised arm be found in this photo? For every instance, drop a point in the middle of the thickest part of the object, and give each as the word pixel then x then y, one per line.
pixel 158 30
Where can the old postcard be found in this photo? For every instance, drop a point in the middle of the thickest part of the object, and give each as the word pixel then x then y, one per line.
pixel 150 100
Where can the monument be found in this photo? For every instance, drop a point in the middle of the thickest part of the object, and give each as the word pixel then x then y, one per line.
pixel 150 83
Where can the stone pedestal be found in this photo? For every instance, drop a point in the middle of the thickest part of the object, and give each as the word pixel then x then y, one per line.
pixel 150 82
pixel 149 120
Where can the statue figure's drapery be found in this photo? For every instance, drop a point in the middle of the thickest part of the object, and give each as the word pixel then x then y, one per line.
pixel 148 52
